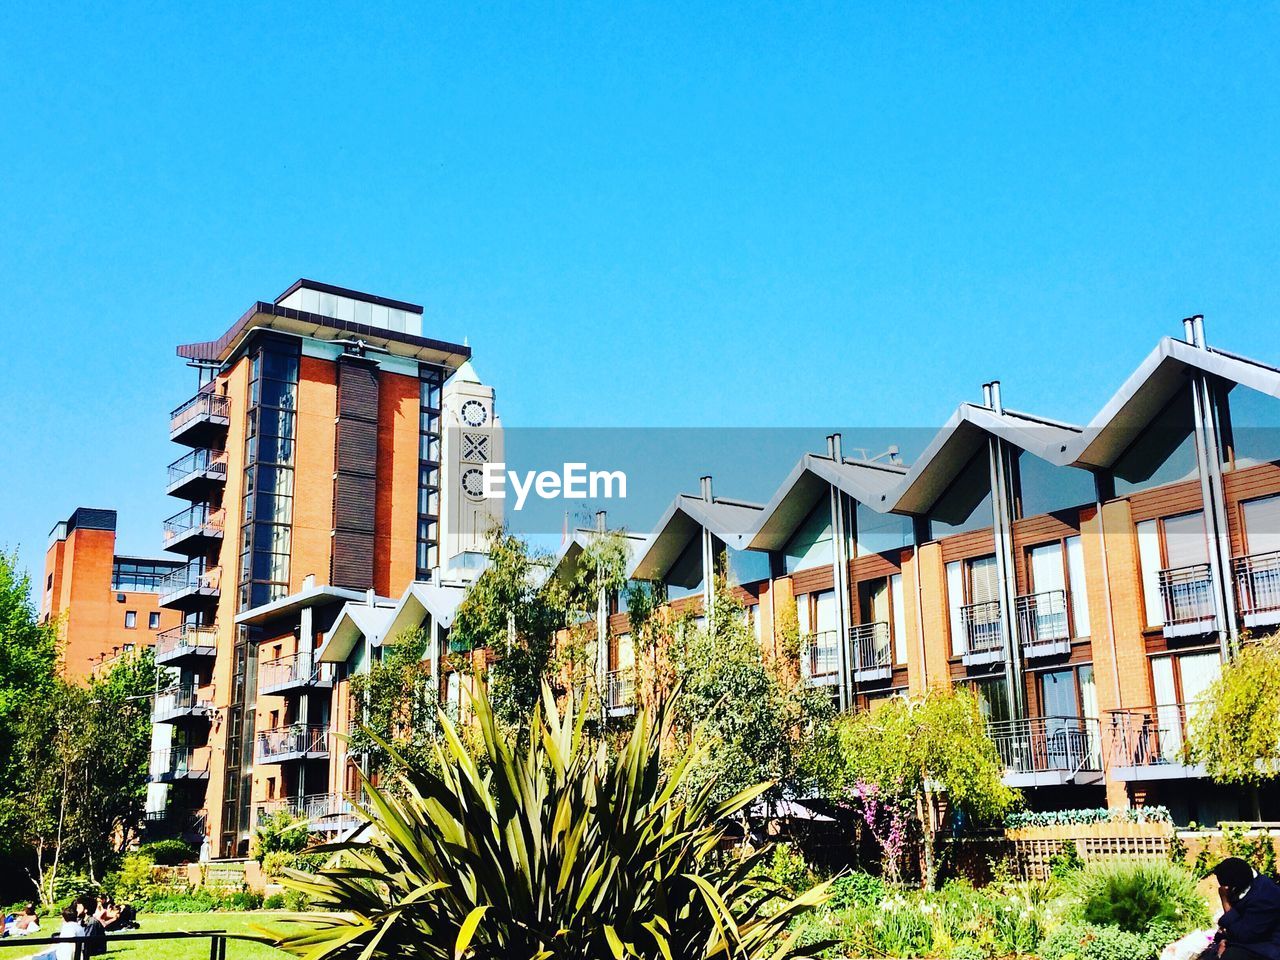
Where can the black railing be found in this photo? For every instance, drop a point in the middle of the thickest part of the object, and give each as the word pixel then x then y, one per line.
pixel 217 941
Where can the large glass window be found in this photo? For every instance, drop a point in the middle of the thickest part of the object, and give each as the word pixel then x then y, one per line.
pixel 1255 427
pixel 811 545
pixel 431 380
pixel 966 504
pixel 1163 453
pixel 880 532
pixel 270 425
pixel 1046 488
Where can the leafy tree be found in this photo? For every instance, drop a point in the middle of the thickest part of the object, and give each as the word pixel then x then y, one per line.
pixel 397 701
pixel 549 848
pixel 1235 728
pixel 514 612
pixel 756 718
pixel 80 759
pixel 28 659
pixel 900 755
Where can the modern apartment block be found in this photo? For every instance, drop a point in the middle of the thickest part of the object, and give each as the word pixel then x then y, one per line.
pixel 107 604
pixel 331 452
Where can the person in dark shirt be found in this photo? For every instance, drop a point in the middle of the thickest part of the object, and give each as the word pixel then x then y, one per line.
pixel 1249 928
pixel 96 938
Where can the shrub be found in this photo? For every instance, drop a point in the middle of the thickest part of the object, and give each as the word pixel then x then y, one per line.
pixel 296 901
pixel 168 853
pixel 788 868
pixel 1058 818
pixel 966 950
pixel 281 832
pixel 1082 941
pixel 857 890
pixel 276 862
pixel 133 881
pixel 1066 862
pixel 1134 894
pixel 274 902
pixel 180 900
pixel 243 900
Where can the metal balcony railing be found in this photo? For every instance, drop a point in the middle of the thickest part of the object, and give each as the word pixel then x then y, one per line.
pixel 1187 593
pixel 871 650
pixel 185 640
pixel 203 406
pixel 1257 579
pixel 180 763
pixel 178 701
pixel 1064 746
pixel 1149 742
pixel 1043 627
pixel 294 742
pixel 202 461
pixel 820 657
pixel 325 812
pixel 190 579
pixel 620 689
pixel 196 518
pixel 983 626
pixel 287 672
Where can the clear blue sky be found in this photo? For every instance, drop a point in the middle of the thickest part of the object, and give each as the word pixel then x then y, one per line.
pixel 743 214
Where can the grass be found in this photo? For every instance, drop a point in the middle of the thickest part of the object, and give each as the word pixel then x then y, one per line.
pixel 261 921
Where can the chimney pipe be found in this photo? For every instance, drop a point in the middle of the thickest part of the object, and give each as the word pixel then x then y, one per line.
pixel 1197 323
pixel 837 448
pixel 996 404
pixel 705 484
pixel 1189 330
pixel 986 395
pixel 600 523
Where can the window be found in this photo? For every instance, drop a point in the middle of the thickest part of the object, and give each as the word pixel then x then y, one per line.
pixel 130 619
pixel 1173 553
pixel 880 532
pixel 431 379
pixel 966 504
pixel 153 620
pixel 1163 453
pixel 811 545
pixel 973 602
pixel 1057 591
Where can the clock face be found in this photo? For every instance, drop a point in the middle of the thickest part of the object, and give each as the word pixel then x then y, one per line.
pixel 473 483
pixel 474 414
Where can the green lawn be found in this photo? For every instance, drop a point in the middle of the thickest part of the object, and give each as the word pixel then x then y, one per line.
pixel 198 949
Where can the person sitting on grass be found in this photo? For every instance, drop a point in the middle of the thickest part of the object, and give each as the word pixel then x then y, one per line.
pixel 25 923
pixel 108 913
pixel 95 936
pixel 1249 928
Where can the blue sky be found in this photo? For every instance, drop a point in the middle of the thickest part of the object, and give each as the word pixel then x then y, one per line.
pixel 739 214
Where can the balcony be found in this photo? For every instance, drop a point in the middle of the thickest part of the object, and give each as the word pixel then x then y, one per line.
pixel 185 642
pixel 1189 610
pixel 297 671
pixel 983 626
pixel 1149 743
pixel 179 703
pixel 620 691
pixel 180 763
pixel 1048 751
pixel 190 825
pixel 820 658
pixel 872 652
pixel 191 587
pixel 1258 588
pixel 1043 628
pixel 196 475
pixel 194 530
pixel 325 812
pixel 200 419
pixel 298 741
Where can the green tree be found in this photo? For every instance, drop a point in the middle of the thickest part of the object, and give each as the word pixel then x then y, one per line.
pixel 1235 727
pixel 756 718
pixel 900 755
pixel 549 847
pixel 397 703
pixel 28 657
pixel 80 758
pixel 514 611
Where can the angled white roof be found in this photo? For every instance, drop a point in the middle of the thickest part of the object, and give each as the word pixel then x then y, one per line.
pixel 441 600
pixel 731 520
pixel 1161 375
pixel 954 445
pixel 308 596
pixel 356 621
pixel 872 483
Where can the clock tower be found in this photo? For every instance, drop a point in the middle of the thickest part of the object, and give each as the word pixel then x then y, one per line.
pixel 472 438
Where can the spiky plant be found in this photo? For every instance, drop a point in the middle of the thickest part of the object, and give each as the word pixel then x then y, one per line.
pixel 547 849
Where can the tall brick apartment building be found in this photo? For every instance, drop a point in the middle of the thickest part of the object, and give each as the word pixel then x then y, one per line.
pixel 326 451
pixel 107 605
